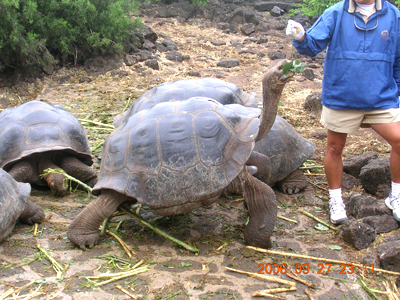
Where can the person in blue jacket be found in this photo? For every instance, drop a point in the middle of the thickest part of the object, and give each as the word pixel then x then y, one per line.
pixel 360 86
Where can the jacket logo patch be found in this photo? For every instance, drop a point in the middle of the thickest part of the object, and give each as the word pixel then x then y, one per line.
pixel 385 34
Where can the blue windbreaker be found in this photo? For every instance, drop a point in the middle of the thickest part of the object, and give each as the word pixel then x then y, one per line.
pixel 362 67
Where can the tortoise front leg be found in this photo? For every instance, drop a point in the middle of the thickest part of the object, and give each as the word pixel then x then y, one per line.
pixel 32 214
pixel 262 206
pixel 74 167
pixel 84 229
pixel 23 171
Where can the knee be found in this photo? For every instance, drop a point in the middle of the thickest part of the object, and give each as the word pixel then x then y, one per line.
pixel 334 149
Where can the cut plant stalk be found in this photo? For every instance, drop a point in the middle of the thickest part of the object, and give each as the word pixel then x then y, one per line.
pixel 267 293
pixel 126 248
pixel 265 277
pixel 62 172
pixel 318 220
pixel 97 123
pixel 287 219
pixel 160 232
pixel 56 266
pixel 117 276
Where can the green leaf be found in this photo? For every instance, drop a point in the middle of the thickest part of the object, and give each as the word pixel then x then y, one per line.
pixel 334 247
pixel 185 264
pixel 294 66
pixel 321 227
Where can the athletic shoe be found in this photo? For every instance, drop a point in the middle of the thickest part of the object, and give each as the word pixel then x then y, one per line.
pixel 337 211
pixel 393 203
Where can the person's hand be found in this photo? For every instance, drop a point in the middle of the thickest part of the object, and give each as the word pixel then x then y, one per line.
pixel 294 30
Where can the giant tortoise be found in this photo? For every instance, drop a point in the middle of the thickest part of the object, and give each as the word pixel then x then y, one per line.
pixel 14 204
pixel 181 155
pixel 285 149
pixel 35 136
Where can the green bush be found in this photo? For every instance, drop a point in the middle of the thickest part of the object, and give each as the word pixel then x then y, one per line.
pixel 34 32
pixel 313 8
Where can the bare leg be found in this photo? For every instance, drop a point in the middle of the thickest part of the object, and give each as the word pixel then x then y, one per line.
pixel 333 159
pixel 391 133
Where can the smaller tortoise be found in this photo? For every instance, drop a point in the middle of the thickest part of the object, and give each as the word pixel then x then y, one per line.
pixel 181 155
pixel 35 136
pixel 277 157
pixel 14 204
pixel 287 150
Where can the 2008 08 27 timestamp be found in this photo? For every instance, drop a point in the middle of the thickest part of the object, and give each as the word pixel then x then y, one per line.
pixel 322 269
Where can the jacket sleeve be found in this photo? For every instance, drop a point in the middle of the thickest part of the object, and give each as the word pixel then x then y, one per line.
pixel 316 39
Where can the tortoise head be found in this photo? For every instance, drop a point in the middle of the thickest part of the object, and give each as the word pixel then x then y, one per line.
pixel 273 83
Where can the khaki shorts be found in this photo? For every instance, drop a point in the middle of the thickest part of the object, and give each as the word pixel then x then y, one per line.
pixel 348 121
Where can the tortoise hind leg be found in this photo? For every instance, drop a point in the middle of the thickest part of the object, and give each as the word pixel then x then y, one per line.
pixel 74 167
pixel 294 183
pixel 262 206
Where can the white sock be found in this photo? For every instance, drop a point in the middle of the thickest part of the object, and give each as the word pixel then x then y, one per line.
pixel 336 194
pixel 395 189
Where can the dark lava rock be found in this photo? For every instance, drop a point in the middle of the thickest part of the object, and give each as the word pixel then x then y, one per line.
pixel 349 182
pixel 174 56
pixel 389 255
pixel 169 44
pixel 376 178
pixel 361 206
pixel 358 234
pixel 309 74
pixel 247 29
pixel 313 106
pixel 64 79
pixel 130 60
pixel 152 63
pixel 353 164
pixel 218 43
pixel 85 79
pixel 194 73
pixel 382 224
pixel 273 55
pixel 276 11
pixel 370 259
pixel 228 63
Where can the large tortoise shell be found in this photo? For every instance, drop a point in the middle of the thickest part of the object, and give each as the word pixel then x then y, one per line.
pixel 178 152
pixel 217 89
pixel 37 127
pixel 285 147
pixel 13 198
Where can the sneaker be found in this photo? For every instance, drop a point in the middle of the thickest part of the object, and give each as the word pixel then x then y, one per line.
pixel 393 203
pixel 337 211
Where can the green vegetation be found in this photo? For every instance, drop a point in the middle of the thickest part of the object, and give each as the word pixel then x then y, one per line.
pixel 313 8
pixel 40 33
